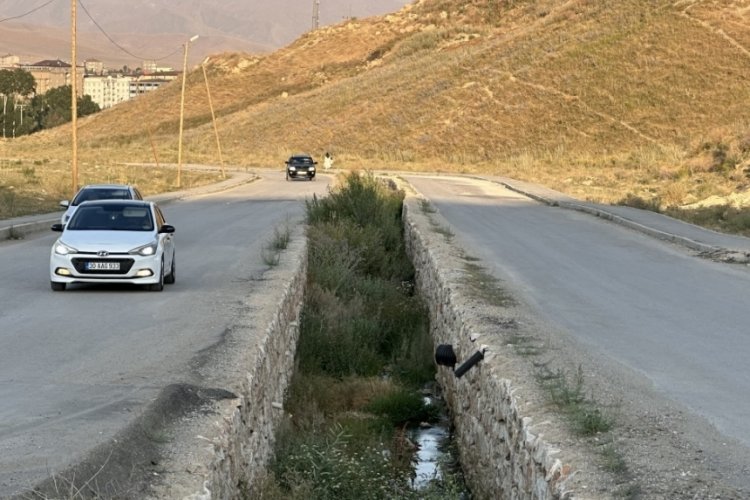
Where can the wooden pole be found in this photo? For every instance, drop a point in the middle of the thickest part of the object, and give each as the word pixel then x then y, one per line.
pixel 153 147
pixel 74 96
pixel 213 119
pixel 182 107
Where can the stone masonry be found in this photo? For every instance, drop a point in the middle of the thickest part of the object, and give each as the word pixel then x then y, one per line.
pixel 501 454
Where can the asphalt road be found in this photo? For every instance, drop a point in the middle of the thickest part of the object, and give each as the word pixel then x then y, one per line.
pixel 77 366
pixel 680 320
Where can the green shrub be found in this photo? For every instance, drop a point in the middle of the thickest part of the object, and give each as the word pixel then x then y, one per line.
pixel 364 216
pixel 348 346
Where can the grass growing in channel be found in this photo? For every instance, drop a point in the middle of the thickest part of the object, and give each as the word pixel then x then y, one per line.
pixel 364 353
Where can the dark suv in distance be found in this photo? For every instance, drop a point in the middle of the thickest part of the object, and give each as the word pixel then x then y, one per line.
pixel 298 166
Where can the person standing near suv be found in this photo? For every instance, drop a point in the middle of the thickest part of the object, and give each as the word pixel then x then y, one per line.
pixel 327 161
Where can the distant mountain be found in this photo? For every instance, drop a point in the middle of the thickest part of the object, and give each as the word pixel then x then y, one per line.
pixel 153 29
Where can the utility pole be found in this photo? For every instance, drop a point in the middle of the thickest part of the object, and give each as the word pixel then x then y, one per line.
pixel 213 119
pixel 182 108
pixel 316 15
pixel 74 96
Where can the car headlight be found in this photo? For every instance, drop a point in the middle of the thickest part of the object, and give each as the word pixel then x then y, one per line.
pixel 292 169
pixel 144 250
pixel 63 249
pixel 312 169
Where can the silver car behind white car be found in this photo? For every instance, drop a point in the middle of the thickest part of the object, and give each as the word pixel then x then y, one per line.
pixel 93 192
pixel 114 241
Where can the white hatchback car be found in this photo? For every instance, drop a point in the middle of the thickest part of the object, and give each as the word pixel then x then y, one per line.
pixel 99 192
pixel 114 241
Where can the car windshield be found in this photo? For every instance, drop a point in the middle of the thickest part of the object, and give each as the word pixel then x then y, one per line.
pixel 301 159
pixel 112 217
pixel 91 194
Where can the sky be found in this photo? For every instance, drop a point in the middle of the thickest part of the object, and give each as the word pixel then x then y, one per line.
pixel 128 32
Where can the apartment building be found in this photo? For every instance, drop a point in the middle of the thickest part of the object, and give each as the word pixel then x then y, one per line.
pixel 93 67
pixel 109 90
pixel 53 73
pixel 9 61
pixel 150 82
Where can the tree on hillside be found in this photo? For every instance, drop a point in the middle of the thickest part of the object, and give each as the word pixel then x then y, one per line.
pixel 14 83
pixel 53 108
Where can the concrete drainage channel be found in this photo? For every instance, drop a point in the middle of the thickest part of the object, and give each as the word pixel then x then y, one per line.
pixel 218 447
pixel 502 456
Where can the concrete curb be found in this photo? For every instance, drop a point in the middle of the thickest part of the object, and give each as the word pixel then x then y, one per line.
pixel 705 249
pixel 18 231
pixel 662 235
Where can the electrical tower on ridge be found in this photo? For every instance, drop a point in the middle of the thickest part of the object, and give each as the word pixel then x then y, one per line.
pixel 316 14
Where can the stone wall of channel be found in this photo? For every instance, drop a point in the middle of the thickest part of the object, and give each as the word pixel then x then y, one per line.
pixel 501 454
pixel 222 451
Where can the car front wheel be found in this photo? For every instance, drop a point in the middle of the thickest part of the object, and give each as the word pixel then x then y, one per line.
pixel 158 287
pixel 57 287
pixel 170 278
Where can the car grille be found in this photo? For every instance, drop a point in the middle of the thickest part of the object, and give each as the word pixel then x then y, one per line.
pixel 125 265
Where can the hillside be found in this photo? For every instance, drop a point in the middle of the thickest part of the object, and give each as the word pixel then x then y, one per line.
pixel 152 30
pixel 638 101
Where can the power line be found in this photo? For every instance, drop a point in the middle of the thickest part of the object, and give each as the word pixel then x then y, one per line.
pixel 27 13
pixel 113 42
pixel 96 23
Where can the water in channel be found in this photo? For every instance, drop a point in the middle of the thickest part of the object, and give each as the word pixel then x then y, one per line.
pixel 435 455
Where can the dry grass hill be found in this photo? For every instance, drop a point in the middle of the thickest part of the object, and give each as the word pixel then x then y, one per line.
pixel 637 101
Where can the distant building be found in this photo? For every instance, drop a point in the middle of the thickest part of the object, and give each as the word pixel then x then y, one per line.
pixel 152 67
pixel 107 91
pixel 141 86
pixel 53 73
pixel 93 67
pixel 9 61
pixel 151 81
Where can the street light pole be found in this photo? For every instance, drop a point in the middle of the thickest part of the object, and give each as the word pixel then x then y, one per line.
pixel 182 108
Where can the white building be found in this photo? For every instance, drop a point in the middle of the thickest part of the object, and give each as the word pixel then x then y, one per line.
pixel 9 61
pixel 107 91
pixel 153 67
pixel 93 67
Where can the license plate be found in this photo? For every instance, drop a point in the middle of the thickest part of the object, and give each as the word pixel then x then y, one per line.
pixel 103 266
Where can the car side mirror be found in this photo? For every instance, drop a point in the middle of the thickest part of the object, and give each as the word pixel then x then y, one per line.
pixel 315 163
pixel 58 228
pixel 65 203
pixel 166 229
